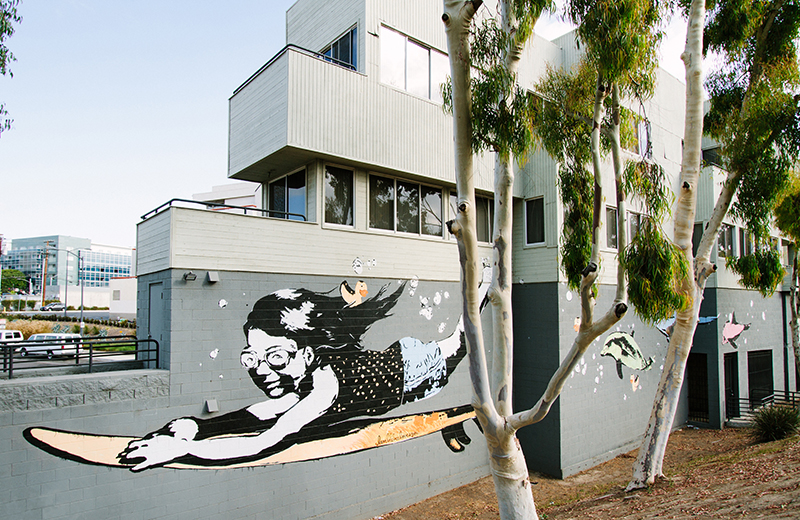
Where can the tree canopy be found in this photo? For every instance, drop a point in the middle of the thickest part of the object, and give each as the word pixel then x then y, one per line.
pixel 14 279
pixel 754 116
pixel 8 17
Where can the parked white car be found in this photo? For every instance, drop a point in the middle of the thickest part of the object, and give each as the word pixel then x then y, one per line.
pixel 51 344
pixel 8 336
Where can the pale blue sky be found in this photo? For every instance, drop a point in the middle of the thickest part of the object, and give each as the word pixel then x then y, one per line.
pixel 121 106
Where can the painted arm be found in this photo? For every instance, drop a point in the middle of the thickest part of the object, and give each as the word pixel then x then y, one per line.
pixel 160 449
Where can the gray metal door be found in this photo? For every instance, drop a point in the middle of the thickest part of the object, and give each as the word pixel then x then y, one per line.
pixel 156 313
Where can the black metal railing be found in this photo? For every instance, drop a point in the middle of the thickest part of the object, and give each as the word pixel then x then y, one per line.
pixel 79 355
pixel 301 50
pixel 744 408
pixel 218 207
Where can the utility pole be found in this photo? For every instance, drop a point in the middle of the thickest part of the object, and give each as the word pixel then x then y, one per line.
pixel 45 259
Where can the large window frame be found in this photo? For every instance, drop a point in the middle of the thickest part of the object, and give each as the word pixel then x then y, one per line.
pixel 484 216
pixel 284 196
pixel 338 196
pixel 725 241
pixel 401 206
pixel 344 50
pixel 746 242
pixel 612 230
pixel 412 66
pixel 534 222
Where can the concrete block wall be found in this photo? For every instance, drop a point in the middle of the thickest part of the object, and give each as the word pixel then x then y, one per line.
pixel 35 484
pixel 598 415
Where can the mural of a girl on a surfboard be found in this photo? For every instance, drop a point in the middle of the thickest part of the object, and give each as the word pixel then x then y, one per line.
pixel 322 389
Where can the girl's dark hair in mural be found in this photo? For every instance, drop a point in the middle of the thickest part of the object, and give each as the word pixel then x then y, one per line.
pixel 315 319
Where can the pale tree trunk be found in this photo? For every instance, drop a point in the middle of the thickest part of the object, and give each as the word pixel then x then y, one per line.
pixel 492 402
pixel 794 302
pixel 649 462
pixel 506 461
pixel 500 292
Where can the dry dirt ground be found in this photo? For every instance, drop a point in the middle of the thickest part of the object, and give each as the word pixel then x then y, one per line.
pixel 710 474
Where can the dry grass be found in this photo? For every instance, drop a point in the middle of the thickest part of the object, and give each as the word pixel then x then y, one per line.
pixel 29 327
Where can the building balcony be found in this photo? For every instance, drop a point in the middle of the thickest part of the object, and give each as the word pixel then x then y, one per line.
pixel 300 107
pixel 199 239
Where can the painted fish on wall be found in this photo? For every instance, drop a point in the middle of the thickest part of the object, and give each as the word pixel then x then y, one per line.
pixel 623 349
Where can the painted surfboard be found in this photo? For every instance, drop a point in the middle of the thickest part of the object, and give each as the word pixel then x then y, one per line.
pixel 348 437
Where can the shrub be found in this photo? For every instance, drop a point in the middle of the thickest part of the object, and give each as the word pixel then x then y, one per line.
pixel 30 327
pixel 774 422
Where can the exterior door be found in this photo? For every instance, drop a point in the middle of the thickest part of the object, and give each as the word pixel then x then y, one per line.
pixel 697 386
pixel 759 375
pixel 731 385
pixel 156 313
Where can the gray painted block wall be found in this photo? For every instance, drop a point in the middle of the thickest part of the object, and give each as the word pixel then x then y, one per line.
pixel 37 485
pixel 598 415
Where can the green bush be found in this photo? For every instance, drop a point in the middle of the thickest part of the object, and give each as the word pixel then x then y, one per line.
pixel 774 422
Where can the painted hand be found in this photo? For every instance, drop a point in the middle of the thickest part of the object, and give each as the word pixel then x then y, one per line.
pixel 158 448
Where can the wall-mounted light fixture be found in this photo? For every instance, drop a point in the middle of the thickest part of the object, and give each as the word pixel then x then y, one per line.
pixel 213 276
pixel 190 276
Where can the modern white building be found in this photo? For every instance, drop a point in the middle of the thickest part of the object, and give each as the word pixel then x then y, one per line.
pixel 344 132
pixel 72 263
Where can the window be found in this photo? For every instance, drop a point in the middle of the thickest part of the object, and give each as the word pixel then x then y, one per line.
pixel 534 221
pixel 611 228
pixel 636 222
pixel 344 51
pixel 639 142
pixel 115 295
pixel 725 241
pixel 338 196
pixel 712 156
pixel 407 207
pixel 412 67
pixel 484 215
pixel 287 197
pixel 745 242
pixel 697 235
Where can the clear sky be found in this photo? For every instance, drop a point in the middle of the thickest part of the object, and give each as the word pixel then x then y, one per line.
pixel 119 107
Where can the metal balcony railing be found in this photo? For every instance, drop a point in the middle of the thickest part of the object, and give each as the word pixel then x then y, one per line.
pixel 213 206
pixel 742 409
pixel 301 50
pixel 92 354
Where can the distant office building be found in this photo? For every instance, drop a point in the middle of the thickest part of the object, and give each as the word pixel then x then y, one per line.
pixel 61 273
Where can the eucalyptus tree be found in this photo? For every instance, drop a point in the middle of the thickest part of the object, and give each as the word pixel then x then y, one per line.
pixel 580 120
pixel 754 116
pixel 8 17
pixel 491 112
pixel 506 133
pixel 787 218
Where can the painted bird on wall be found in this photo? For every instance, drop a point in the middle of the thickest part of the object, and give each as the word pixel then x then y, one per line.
pixel 623 348
pixel 353 297
pixel 732 330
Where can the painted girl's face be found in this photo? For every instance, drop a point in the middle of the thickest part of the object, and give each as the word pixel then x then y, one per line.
pixel 275 363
